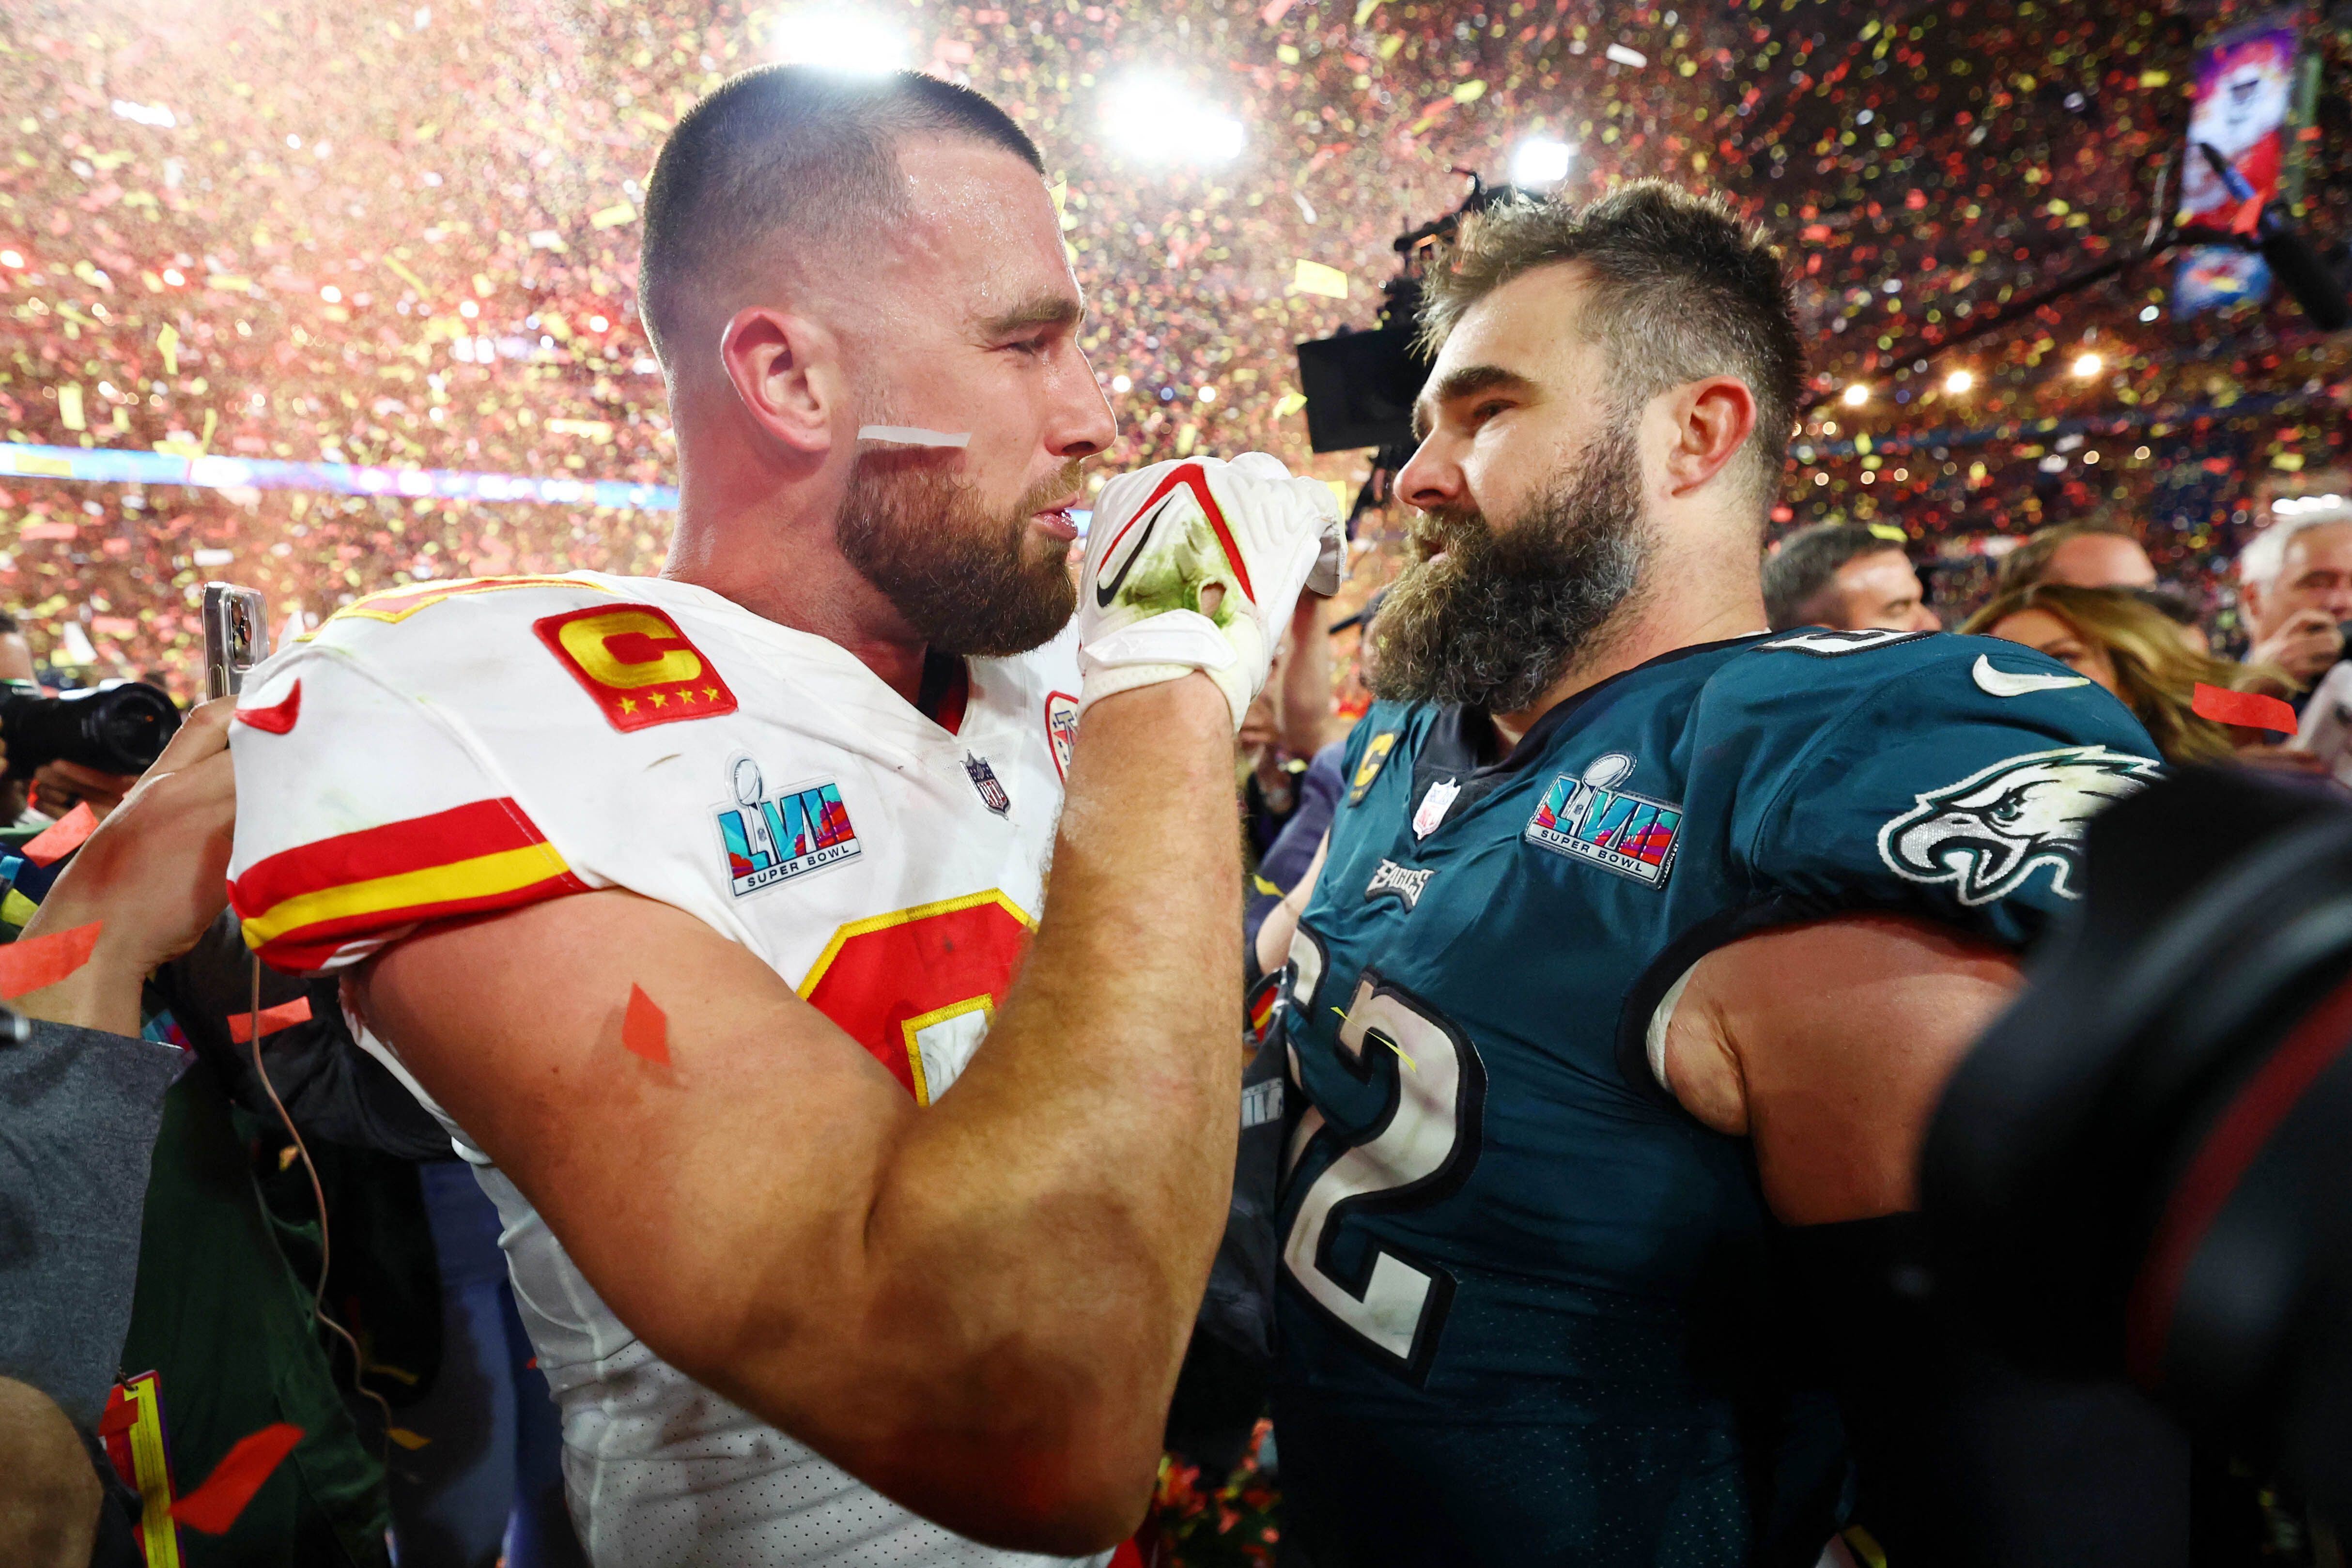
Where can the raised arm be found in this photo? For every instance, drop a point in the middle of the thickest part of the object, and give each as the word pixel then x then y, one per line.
pixel 979 1308
pixel 1828 1045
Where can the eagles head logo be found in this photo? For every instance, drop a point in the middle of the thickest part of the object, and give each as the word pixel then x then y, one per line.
pixel 1988 832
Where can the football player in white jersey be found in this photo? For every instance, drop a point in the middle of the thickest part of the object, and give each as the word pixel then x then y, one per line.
pixel 684 901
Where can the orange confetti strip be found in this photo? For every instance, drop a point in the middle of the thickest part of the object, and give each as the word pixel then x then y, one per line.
pixel 62 837
pixel 2251 709
pixel 33 962
pixel 285 1015
pixel 213 1507
pixel 645 1027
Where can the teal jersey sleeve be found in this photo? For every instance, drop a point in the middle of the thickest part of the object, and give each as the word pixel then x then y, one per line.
pixel 1954 783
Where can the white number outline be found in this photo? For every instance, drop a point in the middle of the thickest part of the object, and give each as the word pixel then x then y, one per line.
pixel 1394 1165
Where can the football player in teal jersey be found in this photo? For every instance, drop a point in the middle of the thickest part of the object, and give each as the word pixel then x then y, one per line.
pixel 1643 938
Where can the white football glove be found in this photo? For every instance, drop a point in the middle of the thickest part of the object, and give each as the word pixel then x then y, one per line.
pixel 1163 534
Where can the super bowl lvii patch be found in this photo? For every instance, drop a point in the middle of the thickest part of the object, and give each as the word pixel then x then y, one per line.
pixel 1586 817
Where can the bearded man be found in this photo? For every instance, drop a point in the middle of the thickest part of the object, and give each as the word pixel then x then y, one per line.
pixel 1642 940
pixel 685 901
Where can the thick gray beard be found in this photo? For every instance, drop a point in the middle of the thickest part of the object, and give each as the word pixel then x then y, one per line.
pixel 1506 611
pixel 969 583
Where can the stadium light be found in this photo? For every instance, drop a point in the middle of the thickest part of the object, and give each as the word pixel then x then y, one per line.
pixel 1856 395
pixel 2088 365
pixel 1153 121
pixel 1959 381
pixel 1540 161
pixel 840 40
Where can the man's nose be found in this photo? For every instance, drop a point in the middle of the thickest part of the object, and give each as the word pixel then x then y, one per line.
pixel 1081 423
pixel 1430 479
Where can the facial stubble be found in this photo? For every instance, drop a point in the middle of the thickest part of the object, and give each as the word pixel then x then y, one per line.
pixel 969 580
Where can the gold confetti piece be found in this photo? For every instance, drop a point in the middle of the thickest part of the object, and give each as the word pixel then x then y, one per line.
pixel 1470 91
pixel 1314 278
pixel 1364 9
pixel 407 1439
pixel 1408 1061
pixel 69 407
pixel 167 343
pixel 611 217
pixel 1289 403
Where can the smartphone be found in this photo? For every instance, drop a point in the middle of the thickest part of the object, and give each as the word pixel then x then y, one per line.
pixel 236 636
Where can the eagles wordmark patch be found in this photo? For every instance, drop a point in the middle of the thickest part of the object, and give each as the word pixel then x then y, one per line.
pixel 1987 833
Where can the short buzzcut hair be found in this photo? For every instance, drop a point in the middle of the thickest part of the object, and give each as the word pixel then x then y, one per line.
pixel 1806 566
pixel 792 151
pixel 1682 290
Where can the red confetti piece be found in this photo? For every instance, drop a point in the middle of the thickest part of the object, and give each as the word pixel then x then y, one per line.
pixel 285 1015
pixel 644 1029
pixel 213 1507
pixel 33 962
pixel 120 1416
pixel 2251 709
pixel 62 837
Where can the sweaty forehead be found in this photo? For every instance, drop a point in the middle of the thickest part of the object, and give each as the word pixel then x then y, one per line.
pixel 980 237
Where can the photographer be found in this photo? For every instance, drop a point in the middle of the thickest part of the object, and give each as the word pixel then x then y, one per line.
pixel 85 1099
pixel 2296 579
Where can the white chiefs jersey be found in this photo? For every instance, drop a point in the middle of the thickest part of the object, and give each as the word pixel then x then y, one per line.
pixel 453 749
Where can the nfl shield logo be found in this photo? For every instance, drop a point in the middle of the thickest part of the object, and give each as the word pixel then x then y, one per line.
pixel 1061 728
pixel 983 778
pixel 1434 807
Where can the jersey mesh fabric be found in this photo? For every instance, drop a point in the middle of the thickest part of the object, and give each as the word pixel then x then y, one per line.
pixel 795 805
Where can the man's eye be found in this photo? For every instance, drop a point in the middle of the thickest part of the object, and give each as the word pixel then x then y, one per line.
pixel 1486 411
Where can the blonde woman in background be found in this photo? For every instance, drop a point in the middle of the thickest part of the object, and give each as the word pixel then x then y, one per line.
pixel 2134 650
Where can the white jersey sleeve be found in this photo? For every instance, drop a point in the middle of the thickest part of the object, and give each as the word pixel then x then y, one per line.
pixel 365 804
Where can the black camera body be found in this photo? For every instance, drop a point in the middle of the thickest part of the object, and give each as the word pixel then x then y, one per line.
pixel 2145 1166
pixel 114 730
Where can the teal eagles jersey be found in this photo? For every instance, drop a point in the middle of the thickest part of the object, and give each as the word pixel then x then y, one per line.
pixel 1523 1308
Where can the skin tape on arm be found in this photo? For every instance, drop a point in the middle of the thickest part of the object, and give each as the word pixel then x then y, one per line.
pixel 912 435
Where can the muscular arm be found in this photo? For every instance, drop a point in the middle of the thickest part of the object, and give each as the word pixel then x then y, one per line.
pixel 979 1308
pixel 1828 1044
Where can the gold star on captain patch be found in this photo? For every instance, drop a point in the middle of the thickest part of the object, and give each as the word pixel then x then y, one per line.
pixel 687 696
pixel 710 692
pixel 628 704
pixel 660 700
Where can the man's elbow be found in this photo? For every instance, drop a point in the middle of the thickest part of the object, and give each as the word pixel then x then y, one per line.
pixel 1066 1503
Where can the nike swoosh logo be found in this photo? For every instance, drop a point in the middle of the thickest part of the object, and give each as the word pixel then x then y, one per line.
pixel 1107 592
pixel 2010 683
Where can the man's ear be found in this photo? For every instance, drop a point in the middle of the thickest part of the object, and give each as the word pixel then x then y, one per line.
pixel 1709 421
pixel 786 373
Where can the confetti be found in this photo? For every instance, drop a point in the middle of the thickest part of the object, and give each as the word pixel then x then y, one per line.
pixel 645 1027
pixel 29 962
pixel 62 837
pixel 2251 709
pixel 1315 277
pixel 285 1015
pixel 1625 57
pixel 213 1507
